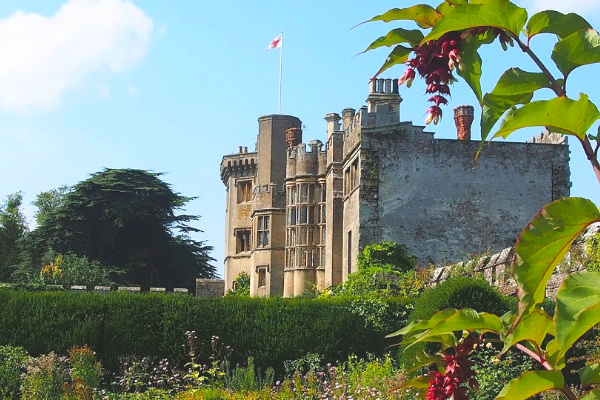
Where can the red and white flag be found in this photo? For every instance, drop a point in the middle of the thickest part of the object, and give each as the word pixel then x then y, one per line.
pixel 275 43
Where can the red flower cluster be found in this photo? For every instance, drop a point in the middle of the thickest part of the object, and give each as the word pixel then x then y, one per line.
pixel 449 385
pixel 435 61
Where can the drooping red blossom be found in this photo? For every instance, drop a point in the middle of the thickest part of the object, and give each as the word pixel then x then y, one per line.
pixel 434 61
pixel 458 372
pixel 408 77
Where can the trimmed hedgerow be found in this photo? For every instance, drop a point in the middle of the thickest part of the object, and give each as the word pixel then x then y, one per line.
pixel 462 292
pixel 271 330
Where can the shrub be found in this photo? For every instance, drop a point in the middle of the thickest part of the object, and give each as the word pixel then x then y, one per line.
pixel 389 255
pixel 12 361
pixel 45 377
pixel 85 373
pixel 242 285
pixel 249 378
pixel 71 269
pixel 461 292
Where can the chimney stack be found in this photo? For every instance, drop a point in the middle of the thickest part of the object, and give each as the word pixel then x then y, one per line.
pixel 463 118
pixel 293 137
pixel 348 116
pixel 333 123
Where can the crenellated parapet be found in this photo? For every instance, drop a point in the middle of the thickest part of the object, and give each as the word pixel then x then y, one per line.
pixel 382 110
pixel 306 162
pixel 547 137
pixel 242 164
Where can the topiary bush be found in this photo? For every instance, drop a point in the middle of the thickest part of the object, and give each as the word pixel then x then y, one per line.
pixel 461 292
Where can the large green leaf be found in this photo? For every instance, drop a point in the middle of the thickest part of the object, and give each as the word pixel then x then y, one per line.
pixel 591 395
pixel 580 48
pixel 471 72
pixel 447 321
pixel 590 375
pixel 495 13
pixel 532 328
pixel 423 359
pixel 421 383
pixel 531 383
pixel 396 36
pixel 424 15
pixel 420 325
pixel 515 86
pixel 559 114
pixel 577 311
pixel 544 243
pixel 398 56
pixel 555 22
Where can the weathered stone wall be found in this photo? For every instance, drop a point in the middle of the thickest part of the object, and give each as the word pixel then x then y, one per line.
pixel 210 287
pixel 433 198
pixel 497 268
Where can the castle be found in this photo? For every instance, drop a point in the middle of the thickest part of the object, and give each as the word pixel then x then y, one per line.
pixel 297 218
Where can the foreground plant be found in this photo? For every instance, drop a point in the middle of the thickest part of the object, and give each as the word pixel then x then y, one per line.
pixel 450 37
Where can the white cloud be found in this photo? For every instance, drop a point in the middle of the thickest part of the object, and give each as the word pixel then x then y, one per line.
pixel 43 57
pixel 582 7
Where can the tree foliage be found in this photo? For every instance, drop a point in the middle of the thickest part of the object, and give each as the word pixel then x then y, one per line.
pixel 124 218
pixel 48 202
pixel 13 227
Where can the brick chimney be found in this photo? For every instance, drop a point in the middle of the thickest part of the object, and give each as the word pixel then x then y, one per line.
pixel 293 137
pixel 463 118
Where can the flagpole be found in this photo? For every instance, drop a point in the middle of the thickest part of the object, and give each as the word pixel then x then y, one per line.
pixel 280 72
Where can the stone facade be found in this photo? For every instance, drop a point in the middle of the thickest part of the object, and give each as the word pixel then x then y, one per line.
pixel 297 215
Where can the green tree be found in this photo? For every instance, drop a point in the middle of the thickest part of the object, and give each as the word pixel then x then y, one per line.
pixel 242 285
pixel 127 219
pixel 13 227
pixel 48 202
pixel 447 43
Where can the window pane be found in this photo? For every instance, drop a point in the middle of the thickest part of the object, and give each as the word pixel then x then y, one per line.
pixel 304 191
pixel 303 214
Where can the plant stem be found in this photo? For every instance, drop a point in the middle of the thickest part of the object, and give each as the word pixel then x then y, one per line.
pixel 566 390
pixel 560 92
pixel 591 155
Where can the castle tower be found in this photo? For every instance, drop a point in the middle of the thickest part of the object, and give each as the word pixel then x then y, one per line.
pixel 238 172
pixel 305 222
pixel 268 213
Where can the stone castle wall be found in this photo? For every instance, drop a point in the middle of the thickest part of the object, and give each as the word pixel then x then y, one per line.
pixel 432 197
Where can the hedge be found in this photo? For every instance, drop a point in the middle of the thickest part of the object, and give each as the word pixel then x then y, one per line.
pixel 271 330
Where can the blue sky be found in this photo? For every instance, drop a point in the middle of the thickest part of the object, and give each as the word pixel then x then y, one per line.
pixel 173 86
